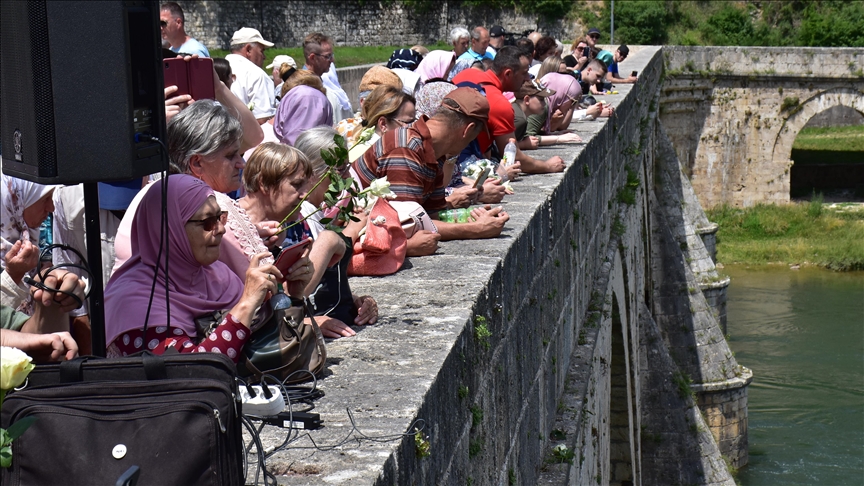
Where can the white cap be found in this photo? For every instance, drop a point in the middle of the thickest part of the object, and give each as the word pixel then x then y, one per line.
pixel 247 35
pixel 279 60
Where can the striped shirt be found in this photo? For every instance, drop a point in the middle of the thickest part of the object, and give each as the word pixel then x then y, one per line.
pixel 407 158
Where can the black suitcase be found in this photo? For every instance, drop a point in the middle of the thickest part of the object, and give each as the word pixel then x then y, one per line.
pixel 176 417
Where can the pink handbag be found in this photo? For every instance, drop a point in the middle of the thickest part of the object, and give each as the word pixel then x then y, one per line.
pixel 381 251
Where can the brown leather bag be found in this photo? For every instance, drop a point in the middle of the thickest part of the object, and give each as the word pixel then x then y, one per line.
pixel 283 346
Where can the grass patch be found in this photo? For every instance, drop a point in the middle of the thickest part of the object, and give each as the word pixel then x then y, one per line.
pixel 344 56
pixel 845 139
pixel 794 233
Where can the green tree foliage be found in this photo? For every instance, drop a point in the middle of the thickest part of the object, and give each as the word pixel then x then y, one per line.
pixel 729 26
pixel 816 23
pixel 638 22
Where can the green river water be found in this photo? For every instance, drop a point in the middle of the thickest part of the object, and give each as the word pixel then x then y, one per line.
pixel 802 334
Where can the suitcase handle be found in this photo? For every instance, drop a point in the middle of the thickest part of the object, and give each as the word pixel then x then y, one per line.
pixel 154 368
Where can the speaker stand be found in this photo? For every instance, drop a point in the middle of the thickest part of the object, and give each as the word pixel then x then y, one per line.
pixel 94 261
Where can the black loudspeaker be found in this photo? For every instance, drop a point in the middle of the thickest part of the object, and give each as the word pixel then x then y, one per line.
pixel 78 81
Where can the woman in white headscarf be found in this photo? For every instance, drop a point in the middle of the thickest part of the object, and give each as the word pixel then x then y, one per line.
pixel 24 205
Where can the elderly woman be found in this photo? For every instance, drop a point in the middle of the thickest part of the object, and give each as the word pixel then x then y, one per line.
pixel 460 37
pixel 276 178
pixel 199 284
pixel 204 142
pixel 328 291
pixel 24 205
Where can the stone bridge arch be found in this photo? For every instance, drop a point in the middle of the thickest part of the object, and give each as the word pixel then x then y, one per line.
pixel 807 109
pixel 732 113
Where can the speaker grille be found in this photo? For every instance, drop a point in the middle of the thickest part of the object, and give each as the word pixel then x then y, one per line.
pixel 42 91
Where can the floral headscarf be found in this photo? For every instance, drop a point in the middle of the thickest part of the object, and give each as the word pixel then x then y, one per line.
pixel 16 195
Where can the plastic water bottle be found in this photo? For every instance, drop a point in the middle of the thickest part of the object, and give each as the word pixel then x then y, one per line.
pixel 509 153
pixel 461 215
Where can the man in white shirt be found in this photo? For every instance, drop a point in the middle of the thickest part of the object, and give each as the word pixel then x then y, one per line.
pixel 253 85
pixel 172 22
pixel 318 52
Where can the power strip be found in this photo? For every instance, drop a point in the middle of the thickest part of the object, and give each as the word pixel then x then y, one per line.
pixel 261 405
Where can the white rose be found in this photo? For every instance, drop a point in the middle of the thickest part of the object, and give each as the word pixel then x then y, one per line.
pixel 15 365
pixel 380 188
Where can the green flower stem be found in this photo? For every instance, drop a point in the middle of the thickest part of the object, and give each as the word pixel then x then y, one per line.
pixel 310 191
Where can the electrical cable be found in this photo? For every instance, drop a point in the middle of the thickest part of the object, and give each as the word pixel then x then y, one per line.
pixel 163 232
pixel 43 274
pixel 294 395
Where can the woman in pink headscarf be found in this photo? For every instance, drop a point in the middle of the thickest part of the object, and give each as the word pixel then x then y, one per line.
pixel 199 283
pixel 436 65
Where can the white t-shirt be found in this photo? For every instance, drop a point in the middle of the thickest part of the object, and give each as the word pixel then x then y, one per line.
pixel 252 85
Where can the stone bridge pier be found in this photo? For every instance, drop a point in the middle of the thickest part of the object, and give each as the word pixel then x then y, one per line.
pixel 733 113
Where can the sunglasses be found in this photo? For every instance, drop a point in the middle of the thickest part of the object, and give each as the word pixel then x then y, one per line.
pixel 210 223
pixel 163 24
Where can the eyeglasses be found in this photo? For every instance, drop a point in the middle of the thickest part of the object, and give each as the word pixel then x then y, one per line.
pixel 594 36
pixel 208 224
pixel 163 24
pixel 404 123
pixel 328 57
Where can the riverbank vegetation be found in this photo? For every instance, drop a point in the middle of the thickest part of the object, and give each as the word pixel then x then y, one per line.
pixel 846 139
pixel 817 23
pixel 809 232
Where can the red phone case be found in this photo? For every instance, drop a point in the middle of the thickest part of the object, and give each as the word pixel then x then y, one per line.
pixel 201 79
pixel 291 254
pixel 176 74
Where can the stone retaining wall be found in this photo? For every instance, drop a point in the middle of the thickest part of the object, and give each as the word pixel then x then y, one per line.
pixel 354 22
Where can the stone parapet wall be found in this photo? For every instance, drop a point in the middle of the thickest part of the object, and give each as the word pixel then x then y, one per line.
pixel 354 22
pixel 509 349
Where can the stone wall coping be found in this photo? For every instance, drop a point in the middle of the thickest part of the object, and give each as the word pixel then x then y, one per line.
pixel 738 382
pixel 715 285
pixel 707 230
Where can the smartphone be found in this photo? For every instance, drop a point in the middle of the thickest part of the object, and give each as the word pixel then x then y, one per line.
pixel 586 51
pixel 289 255
pixel 634 73
pixel 482 177
pixel 176 74
pixel 201 85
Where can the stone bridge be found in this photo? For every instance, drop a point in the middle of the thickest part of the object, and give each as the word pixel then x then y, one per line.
pixel 733 113
pixel 582 346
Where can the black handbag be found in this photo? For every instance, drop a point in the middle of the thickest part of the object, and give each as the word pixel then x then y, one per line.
pixel 283 346
pixel 175 416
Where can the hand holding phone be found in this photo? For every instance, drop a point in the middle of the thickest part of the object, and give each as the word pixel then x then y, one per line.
pixel 289 255
pixel 192 77
pixel 634 73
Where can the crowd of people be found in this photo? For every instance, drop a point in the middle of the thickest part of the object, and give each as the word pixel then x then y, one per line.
pixel 242 164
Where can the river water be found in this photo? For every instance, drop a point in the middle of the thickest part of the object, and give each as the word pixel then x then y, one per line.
pixel 802 334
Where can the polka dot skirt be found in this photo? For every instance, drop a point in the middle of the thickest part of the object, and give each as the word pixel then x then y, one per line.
pixel 228 338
